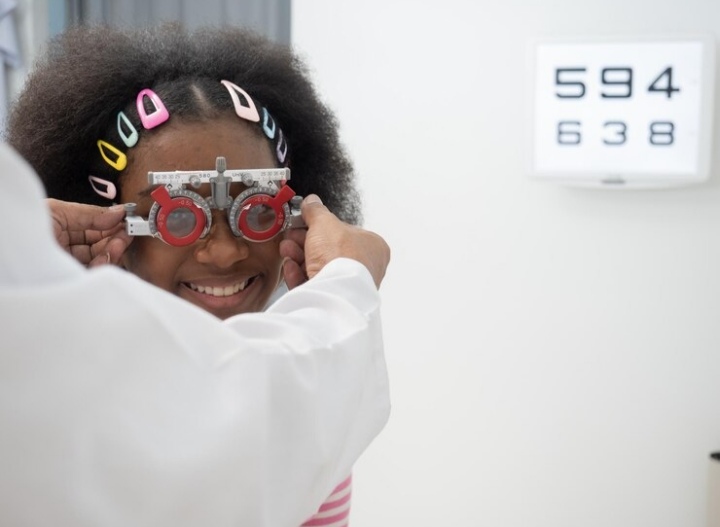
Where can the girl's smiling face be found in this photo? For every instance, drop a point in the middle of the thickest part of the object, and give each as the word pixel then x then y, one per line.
pixel 220 273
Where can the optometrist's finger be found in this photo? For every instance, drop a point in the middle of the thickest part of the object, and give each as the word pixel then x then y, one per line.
pixel 110 253
pixel 101 259
pixel 117 246
pixel 94 235
pixel 91 237
pixel 293 262
pixel 82 253
pixel 85 252
pixel 109 250
pixel 97 253
pixel 292 249
pixel 69 216
pixel 296 235
pixel 293 273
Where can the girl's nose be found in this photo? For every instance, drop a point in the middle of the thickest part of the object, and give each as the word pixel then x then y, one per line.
pixel 221 247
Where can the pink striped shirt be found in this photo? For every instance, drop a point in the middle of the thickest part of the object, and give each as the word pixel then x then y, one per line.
pixel 335 512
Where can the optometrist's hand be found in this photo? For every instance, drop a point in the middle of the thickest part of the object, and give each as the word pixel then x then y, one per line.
pixel 327 238
pixel 93 235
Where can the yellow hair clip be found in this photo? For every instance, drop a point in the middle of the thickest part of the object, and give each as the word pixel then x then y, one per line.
pixel 120 161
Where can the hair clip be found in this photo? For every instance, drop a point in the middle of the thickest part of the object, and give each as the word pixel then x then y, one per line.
pixel 110 190
pixel 268 124
pixel 158 116
pixel 131 139
pixel 120 161
pixel 282 148
pixel 246 111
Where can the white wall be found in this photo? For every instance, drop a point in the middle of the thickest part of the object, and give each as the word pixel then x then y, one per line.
pixel 33 29
pixel 554 353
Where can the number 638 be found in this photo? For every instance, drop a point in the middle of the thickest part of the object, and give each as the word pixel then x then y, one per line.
pixel 615 133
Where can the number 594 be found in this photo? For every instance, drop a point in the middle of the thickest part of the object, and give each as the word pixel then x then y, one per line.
pixel 615 133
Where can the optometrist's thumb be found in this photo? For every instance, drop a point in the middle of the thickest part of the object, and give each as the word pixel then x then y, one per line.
pixel 329 238
pixel 312 202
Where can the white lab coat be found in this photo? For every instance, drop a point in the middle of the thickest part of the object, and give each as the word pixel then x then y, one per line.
pixel 122 405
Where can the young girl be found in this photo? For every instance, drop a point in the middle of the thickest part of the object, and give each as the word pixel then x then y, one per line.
pixel 105 107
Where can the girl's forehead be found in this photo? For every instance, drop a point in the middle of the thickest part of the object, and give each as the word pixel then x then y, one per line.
pixel 199 144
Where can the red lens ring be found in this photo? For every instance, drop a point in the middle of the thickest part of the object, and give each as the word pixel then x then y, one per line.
pixel 167 206
pixel 258 200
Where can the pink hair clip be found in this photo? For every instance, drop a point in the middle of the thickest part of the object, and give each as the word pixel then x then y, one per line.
pixel 110 190
pixel 130 139
pixel 246 111
pixel 120 161
pixel 155 118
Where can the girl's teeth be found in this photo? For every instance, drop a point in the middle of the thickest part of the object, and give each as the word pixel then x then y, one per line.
pixel 219 291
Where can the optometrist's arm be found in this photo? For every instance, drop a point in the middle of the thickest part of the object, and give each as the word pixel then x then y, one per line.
pixel 93 235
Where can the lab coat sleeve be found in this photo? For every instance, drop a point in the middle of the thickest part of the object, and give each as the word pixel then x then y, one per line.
pixel 122 405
